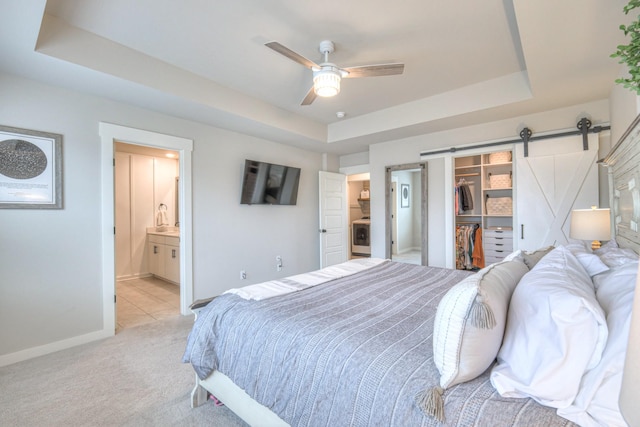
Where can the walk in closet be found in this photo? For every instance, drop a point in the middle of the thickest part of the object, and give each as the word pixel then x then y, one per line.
pixel 483 209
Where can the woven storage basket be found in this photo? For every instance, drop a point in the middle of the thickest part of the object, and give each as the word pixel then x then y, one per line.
pixel 500 157
pixel 497 181
pixel 499 206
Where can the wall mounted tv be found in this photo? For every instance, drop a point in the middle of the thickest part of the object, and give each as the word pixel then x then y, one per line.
pixel 269 184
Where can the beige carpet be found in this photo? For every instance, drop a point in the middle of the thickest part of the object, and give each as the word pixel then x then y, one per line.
pixel 133 379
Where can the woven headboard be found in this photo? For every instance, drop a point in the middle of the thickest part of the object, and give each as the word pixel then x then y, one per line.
pixel 623 162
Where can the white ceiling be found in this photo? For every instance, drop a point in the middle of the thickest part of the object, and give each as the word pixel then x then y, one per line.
pixel 465 62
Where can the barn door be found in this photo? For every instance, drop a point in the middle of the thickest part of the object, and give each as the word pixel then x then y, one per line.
pixel 556 177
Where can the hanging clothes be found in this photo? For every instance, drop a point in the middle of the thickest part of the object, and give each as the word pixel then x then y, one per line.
pixel 463 197
pixel 478 253
pixel 469 254
pixel 467 198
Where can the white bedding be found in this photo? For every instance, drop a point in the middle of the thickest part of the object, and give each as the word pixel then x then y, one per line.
pixel 556 330
pixel 597 401
pixel 273 288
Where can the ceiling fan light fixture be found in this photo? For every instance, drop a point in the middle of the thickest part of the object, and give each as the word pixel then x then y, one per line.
pixel 326 82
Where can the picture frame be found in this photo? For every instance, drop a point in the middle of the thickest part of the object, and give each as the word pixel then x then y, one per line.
pixel 30 169
pixel 404 195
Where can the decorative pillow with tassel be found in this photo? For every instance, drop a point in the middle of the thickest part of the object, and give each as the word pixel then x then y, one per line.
pixel 469 327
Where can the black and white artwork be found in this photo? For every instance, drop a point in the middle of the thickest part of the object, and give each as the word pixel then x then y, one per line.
pixel 404 195
pixel 30 169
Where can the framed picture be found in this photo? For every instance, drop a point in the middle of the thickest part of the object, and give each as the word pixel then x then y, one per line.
pixel 30 169
pixel 404 195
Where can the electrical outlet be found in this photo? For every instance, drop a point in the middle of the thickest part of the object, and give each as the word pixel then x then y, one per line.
pixel 243 274
pixel 279 263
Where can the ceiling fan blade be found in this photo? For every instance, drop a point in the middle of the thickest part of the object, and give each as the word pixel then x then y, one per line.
pixel 311 96
pixel 282 50
pixel 374 70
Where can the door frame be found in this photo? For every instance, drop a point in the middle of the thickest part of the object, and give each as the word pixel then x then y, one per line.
pixel 109 133
pixel 389 199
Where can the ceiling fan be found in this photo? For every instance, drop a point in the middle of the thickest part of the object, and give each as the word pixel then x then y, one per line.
pixel 327 75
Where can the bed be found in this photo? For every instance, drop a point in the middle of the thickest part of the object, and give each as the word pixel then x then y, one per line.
pixel 391 344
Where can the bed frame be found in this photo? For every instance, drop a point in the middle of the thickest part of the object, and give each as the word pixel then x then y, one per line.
pixel 623 163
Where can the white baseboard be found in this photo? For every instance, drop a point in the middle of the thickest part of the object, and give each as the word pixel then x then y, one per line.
pixel 30 353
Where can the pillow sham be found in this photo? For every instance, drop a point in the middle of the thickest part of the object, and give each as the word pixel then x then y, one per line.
pixel 469 326
pixel 596 403
pixel 532 258
pixel 590 262
pixel 556 330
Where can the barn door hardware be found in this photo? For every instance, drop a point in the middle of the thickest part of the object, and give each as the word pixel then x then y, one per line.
pixel 584 128
pixel 583 125
pixel 525 134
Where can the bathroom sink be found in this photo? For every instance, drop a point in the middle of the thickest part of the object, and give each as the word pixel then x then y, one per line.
pixel 165 231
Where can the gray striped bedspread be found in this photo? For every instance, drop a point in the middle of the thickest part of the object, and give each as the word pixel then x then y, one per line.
pixel 352 352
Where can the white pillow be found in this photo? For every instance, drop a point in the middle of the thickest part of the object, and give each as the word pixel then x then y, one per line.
pixel 597 401
pixel 591 262
pixel 555 331
pixel 613 255
pixel 468 328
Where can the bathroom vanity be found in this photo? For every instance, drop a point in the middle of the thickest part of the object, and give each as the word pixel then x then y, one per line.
pixel 164 253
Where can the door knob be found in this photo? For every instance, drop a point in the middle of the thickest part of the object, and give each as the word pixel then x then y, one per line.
pixel 323 230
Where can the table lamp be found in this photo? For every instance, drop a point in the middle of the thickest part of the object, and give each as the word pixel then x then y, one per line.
pixel 591 224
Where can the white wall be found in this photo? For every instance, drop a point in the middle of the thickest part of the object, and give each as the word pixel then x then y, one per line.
pixel 50 287
pixel 408 151
pixel 625 106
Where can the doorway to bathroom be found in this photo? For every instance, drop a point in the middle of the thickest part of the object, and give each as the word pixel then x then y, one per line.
pixel 181 240
pixel 147 238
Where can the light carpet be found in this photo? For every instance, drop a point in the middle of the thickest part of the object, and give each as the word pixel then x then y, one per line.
pixel 135 378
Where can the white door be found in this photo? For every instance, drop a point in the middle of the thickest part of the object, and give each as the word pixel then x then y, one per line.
pixel 122 215
pixel 334 227
pixel 556 177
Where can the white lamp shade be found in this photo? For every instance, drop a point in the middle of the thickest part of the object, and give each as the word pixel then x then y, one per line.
pixel 590 224
pixel 326 83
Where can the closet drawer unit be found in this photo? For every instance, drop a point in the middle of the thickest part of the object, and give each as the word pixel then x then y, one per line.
pixel 502 246
pixel 498 233
pixel 494 257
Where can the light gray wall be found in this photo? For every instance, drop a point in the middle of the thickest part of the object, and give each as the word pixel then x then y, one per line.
pixel 50 260
pixel 624 105
pixel 408 151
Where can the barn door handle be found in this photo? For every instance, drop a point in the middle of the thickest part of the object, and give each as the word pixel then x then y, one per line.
pixel 521 231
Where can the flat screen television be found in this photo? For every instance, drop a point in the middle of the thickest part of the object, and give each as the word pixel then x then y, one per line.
pixel 269 184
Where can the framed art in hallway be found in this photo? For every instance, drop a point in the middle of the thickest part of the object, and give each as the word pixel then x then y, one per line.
pixel 30 169
pixel 404 195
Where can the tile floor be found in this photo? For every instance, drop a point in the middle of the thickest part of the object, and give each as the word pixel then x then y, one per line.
pixel 145 300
